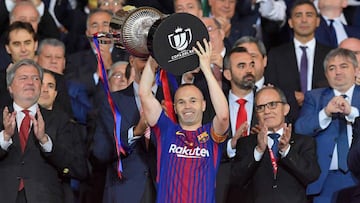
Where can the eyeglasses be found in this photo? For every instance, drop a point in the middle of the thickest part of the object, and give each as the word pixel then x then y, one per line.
pixel 270 105
pixel 118 75
pixel 107 3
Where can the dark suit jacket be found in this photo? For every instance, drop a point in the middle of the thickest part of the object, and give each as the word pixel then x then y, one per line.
pixel 282 71
pixel 354 152
pixel 308 124
pixel 136 166
pixel 295 171
pixel 40 170
pixel 322 33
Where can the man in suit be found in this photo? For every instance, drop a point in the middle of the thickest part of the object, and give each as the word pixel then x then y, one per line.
pixel 78 166
pixel 139 162
pixel 275 164
pixel 21 43
pixel 257 50
pixel 35 146
pixel 332 30
pixel 296 67
pixel 240 71
pixel 327 115
pixel 51 56
pixel 82 66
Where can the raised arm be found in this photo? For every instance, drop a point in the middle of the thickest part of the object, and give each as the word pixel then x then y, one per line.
pixel 218 99
pixel 150 105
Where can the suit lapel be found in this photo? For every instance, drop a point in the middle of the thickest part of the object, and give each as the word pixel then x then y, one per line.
pixel 355 101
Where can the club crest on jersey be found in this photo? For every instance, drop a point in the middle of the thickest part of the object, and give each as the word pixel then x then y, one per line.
pixel 203 137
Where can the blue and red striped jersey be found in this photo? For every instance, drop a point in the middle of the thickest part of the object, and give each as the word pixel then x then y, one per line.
pixel 187 163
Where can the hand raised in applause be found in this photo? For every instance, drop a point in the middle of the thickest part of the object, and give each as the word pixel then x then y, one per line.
pixel 238 134
pixel 262 139
pixel 39 127
pixel 9 123
pixel 285 138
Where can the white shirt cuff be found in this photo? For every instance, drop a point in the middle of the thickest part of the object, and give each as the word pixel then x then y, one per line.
pixel 47 146
pixel 96 78
pixel 257 155
pixel 230 151
pixel 353 114
pixel 131 137
pixel 284 154
pixel 3 143
pixel 324 120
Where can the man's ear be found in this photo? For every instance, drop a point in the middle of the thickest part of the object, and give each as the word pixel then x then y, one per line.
pixel 227 74
pixel 286 109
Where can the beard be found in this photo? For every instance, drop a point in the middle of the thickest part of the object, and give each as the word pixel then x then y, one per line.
pixel 247 82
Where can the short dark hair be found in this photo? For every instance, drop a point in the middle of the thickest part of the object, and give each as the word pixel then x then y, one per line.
pixel 227 64
pixel 18 25
pixel 303 2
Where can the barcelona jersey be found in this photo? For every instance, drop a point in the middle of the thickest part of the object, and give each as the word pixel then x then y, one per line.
pixel 187 162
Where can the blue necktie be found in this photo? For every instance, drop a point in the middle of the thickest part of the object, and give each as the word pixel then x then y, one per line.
pixel 342 143
pixel 275 146
pixel 333 38
pixel 303 69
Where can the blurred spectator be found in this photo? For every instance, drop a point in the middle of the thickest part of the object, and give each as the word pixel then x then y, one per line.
pixel 353 44
pixel 296 67
pixel 117 75
pixel 188 6
pixel 111 5
pixel 332 30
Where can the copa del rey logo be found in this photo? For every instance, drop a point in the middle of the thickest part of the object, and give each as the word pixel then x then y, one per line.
pixel 180 40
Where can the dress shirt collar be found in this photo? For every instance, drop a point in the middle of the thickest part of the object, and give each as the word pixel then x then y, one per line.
pixel 280 132
pixel 336 20
pixel 348 93
pixel 260 83
pixel 310 44
pixel 249 97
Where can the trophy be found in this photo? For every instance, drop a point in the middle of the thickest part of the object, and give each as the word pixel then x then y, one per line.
pixel 168 39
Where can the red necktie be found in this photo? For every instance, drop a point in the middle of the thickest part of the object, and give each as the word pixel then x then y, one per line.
pixel 241 116
pixel 23 135
pixel 24 129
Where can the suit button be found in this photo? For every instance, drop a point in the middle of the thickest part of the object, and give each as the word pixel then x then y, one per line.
pixel 18 178
pixel 23 162
pixel 146 173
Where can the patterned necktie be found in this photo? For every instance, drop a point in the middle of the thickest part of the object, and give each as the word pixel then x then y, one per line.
pixel 241 115
pixel 24 130
pixel 332 33
pixel 303 69
pixel 342 143
pixel 275 146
